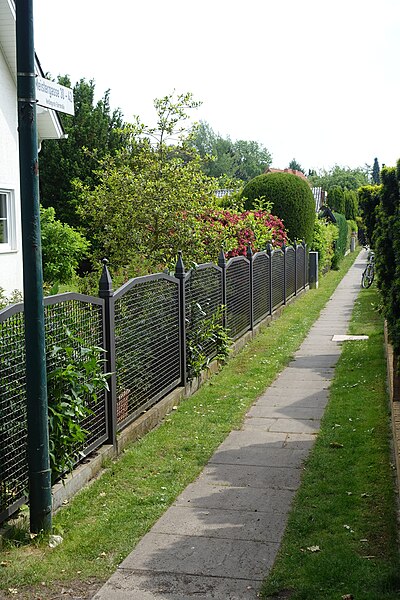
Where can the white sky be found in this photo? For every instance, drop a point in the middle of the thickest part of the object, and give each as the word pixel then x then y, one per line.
pixel 313 80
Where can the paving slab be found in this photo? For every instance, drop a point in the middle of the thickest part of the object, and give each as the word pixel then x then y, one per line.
pixel 282 425
pixel 198 555
pixel 134 585
pixel 219 539
pixel 290 411
pixel 225 524
pixel 202 495
pixel 225 474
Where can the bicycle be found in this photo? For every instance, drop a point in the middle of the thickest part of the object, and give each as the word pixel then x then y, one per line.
pixel 369 271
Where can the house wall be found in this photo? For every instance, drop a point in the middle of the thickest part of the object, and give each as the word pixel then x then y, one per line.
pixel 10 258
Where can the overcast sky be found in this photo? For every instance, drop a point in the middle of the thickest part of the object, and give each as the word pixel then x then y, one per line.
pixel 313 80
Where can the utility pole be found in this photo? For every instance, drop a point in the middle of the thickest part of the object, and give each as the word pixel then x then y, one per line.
pixel 36 381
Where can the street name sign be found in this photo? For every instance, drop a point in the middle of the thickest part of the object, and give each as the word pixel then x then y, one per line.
pixel 53 95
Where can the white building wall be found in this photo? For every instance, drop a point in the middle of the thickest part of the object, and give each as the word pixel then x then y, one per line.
pixel 10 259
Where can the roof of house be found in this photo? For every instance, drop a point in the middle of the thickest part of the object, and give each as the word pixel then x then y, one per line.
pixel 292 171
pixel 48 122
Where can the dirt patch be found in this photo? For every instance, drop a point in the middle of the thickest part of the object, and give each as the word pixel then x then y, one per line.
pixel 71 590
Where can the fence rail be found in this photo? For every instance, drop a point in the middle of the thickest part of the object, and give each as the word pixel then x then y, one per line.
pixel 147 329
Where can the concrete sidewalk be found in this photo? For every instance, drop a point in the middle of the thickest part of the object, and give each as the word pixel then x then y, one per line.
pixel 220 538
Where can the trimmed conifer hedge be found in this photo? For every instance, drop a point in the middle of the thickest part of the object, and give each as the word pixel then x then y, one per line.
pixel 292 201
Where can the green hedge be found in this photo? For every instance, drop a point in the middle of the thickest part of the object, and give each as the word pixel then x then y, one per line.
pixel 292 201
pixel 341 242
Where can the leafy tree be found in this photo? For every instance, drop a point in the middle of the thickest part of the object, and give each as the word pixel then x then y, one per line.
pixel 343 177
pixel 146 191
pixel 295 165
pixel 93 132
pixel 376 178
pixel 224 158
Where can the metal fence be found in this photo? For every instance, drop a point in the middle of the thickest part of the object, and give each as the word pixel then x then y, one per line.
pixel 146 328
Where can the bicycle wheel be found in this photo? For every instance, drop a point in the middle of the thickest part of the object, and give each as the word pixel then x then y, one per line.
pixel 368 276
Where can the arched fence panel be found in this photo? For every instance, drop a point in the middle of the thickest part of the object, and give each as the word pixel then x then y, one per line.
pixel 301 254
pixel 290 272
pixel 238 296
pixel 278 279
pixel 147 343
pixel 261 286
pixel 83 317
pixel 203 302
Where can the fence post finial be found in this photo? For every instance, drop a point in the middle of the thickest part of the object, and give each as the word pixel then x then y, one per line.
pixel 221 258
pixel 180 267
pixel 105 283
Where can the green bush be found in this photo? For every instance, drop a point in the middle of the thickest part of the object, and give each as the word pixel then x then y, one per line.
pixel 292 201
pixel 342 240
pixel 62 248
pixel 325 235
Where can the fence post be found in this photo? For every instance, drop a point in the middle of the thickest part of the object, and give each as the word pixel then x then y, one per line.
pixel 269 252
pixel 295 268
pixel 305 263
pixel 222 264
pixel 313 270
pixel 106 292
pixel 249 255
pixel 284 273
pixel 181 276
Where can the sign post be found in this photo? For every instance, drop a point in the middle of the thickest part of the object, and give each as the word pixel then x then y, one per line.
pixel 36 380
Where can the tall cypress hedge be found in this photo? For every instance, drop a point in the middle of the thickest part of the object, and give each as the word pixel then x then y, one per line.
pixel 341 242
pixel 292 201
pixel 386 241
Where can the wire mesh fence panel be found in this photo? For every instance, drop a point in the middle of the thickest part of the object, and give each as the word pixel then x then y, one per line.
pixel 147 349
pixel 300 257
pixel 290 272
pixel 277 259
pixel 82 316
pixel 238 315
pixel 261 286
pixel 13 423
pixel 203 298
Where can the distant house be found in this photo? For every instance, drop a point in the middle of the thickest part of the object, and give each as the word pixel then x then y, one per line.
pixel 320 197
pixel 292 171
pixel 49 127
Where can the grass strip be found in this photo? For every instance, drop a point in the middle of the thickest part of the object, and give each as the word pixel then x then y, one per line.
pixel 346 504
pixel 103 523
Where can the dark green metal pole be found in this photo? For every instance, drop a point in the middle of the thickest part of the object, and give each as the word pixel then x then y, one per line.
pixel 37 416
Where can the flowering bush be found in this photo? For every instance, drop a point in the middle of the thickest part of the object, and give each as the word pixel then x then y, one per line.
pixel 232 230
